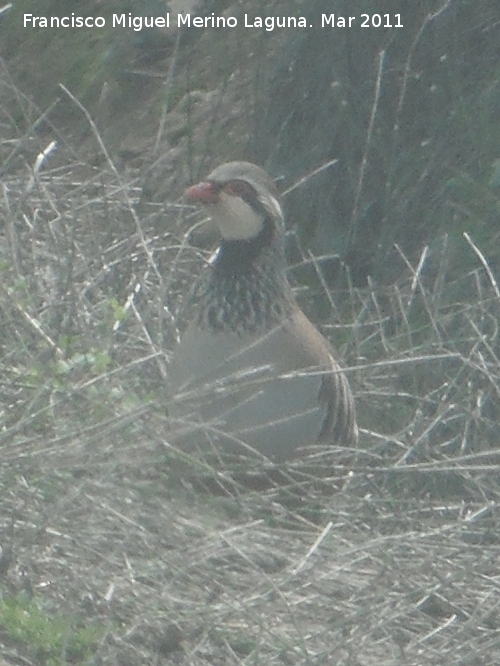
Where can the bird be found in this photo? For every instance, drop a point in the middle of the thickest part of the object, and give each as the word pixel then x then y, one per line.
pixel 251 375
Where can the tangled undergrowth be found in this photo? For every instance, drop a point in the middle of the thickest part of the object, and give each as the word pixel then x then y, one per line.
pixel 387 554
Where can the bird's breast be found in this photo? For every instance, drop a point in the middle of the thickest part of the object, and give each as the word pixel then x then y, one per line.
pixel 244 392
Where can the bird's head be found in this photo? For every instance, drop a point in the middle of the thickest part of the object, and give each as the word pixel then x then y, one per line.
pixel 242 201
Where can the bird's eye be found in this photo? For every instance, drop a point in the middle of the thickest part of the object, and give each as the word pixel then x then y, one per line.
pixel 239 188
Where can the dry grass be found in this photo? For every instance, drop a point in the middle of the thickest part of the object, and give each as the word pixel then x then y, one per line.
pixel 385 555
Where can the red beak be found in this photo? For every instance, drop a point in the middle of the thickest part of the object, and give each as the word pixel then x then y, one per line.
pixel 203 193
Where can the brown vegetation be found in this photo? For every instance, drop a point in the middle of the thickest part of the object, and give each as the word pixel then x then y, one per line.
pixel 383 555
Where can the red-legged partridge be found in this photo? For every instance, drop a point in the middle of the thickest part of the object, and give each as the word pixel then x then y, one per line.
pixel 251 374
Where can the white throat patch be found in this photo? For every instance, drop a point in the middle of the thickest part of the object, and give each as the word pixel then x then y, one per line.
pixel 235 218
